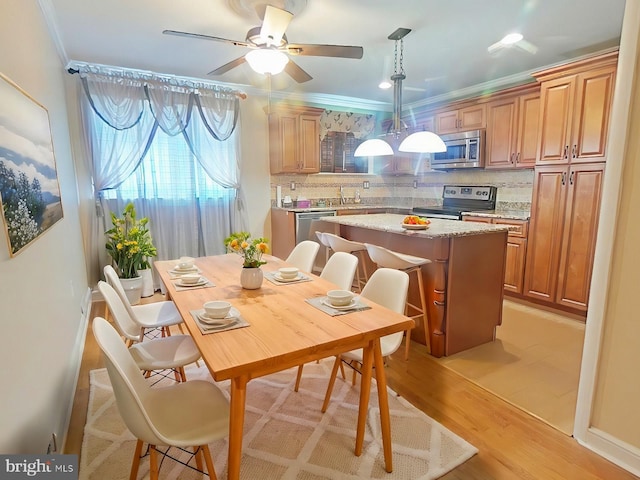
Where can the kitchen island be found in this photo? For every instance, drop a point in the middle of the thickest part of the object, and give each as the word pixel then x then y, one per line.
pixel 463 283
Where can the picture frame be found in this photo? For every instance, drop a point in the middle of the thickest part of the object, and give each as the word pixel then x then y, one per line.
pixel 30 199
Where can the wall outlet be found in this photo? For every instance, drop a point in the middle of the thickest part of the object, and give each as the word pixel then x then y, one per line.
pixel 365 185
pixel 415 184
pixel 293 185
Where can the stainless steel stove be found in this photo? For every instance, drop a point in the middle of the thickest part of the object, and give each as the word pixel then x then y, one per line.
pixel 457 199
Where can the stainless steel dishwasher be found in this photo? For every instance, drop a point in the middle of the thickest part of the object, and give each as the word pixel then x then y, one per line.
pixel 304 221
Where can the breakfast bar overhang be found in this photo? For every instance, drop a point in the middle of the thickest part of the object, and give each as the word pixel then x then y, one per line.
pixel 463 283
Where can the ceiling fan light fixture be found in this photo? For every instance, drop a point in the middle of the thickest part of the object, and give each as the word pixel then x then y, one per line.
pixel 511 38
pixel 265 60
pixel 422 142
pixel 385 84
pixel 374 147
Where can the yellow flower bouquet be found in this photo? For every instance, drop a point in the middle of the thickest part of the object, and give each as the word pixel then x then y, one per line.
pixel 251 250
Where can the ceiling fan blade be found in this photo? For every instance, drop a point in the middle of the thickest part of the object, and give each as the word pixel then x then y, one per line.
pixel 495 47
pixel 274 24
pixel 527 46
pixel 228 66
pixel 297 73
pixel 205 37
pixel 343 51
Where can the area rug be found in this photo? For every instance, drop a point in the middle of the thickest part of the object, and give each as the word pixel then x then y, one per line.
pixel 285 434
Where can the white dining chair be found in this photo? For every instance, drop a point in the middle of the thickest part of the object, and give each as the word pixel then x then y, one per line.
pixel 304 255
pixel 324 241
pixel 387 287
pixel 340 244
pixel 149 316
pixel 339 270
pixel 158 354
pixel 203 409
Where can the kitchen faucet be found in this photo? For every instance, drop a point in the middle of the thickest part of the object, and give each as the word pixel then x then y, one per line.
pixel 342 199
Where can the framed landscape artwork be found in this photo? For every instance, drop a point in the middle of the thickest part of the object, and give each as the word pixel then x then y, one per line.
pixel 29 189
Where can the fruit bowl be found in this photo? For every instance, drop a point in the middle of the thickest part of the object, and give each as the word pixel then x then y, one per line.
pixel 414 222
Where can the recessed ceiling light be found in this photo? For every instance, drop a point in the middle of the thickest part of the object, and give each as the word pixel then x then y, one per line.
pixel 385 84
pixel 511 38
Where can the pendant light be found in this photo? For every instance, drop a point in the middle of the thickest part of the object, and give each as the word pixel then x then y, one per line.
pixel 419 142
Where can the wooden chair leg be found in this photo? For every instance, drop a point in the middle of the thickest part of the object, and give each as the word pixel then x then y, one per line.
pixel 198 454
pixel 298 377
pixel 153 463
pixel 183 375
pixel 344 377
pixel 135 464
pixel 332 380
pixel 209 461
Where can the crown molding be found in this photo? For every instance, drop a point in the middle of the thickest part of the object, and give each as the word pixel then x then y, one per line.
pixel 48 12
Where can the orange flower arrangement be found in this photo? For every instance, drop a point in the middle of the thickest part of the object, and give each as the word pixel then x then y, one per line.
pixel 251 250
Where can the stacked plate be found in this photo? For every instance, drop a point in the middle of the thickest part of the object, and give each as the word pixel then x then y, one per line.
pixel 211 323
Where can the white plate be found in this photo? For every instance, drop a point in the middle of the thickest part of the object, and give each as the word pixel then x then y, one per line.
pixel 351 305
pixel 185 270
pixel 199 283
pixel 230 319
pixel 279 278
pixel 414 227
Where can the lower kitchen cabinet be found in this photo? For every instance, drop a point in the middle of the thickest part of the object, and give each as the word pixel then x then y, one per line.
pixel 562 238
pixel 516 250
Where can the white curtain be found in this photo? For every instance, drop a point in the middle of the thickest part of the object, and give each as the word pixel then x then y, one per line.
pixel 172 150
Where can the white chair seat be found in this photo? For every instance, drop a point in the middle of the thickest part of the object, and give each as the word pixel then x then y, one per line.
pixel 165 353
pixel 387 259
pixel 157 314
pixel 304 255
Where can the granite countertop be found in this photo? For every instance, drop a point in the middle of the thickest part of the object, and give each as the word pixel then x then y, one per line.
pixel 500 213
pixel 438 228
pixel 357 206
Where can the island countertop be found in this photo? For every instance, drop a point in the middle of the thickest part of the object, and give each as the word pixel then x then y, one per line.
pixel 438 228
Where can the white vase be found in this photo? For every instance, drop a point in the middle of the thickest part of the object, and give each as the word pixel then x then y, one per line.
pixel 147 282
pixel 251 278
pixel 132 288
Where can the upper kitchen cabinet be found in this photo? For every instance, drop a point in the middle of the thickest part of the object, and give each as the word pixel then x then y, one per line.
pixel 336 154
pixel 512 131
pixel 294 139
pixel 575 103
pixel 462 119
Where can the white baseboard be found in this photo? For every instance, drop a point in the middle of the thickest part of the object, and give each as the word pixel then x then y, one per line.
pixel 613 449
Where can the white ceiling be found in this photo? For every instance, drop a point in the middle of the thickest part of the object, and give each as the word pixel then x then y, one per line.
pixel 446 50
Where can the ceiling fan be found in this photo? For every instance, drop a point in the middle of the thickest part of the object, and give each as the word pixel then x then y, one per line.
pixel 512 40
pixel 271 41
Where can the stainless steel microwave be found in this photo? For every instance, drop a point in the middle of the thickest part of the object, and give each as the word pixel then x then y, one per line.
pixel 464 150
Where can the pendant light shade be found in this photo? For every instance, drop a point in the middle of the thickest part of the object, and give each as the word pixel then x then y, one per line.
pixel 264 60
pixel 373 148
pixel 422 142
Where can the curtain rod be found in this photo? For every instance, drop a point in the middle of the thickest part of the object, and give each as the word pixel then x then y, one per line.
pixel 144 75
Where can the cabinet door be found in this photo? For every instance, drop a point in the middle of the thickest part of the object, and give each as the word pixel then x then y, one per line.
pixel 584 193
pixel 447 122
pixel 501 133
pixel 527 137
pixel 283 143
pixel 472 118
pixel 514 273
pixel 591 124
pixel 545 232
pixel 309 144
pixel 556 112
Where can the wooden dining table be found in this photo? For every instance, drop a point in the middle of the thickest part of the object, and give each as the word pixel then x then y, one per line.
pixel 284 331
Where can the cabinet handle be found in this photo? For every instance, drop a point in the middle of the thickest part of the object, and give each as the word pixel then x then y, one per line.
pixel 566 151
pixel 564 176
pixel 511 158
pixel 571 178
pixel 518 157
pixel 574 151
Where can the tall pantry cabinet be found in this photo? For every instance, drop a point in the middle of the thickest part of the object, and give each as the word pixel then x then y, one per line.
pixel 575 103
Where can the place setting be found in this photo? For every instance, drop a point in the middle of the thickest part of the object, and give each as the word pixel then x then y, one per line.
pixel 287 275
pixel 191 281
pixel 339 302
pixel 185 266
pixel 218 316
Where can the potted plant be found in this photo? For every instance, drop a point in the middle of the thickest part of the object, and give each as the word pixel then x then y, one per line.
pixel 251 250
pixel 130 246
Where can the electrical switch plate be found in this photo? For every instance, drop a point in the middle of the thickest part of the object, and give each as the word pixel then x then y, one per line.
pixel 293 185
pixel 365 185
pixel 415 184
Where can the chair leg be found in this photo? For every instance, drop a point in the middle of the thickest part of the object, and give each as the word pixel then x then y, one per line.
pixel 332 380
pixel 344 377
pixel 425 314
pixel 209 461
pixel 197 452
pixel 298 377
pixel 183 375
pixel 135 464
pixel 153 463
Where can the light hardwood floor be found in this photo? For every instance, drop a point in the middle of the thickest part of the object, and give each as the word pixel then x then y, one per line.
pixel 512 443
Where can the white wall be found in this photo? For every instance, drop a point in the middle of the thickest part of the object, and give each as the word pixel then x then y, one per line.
pixel 43 288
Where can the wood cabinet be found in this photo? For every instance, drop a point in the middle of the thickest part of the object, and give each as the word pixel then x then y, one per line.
pixel 468 118
pixel 564 223
pixel 512 132
pixel 574 115
pixel 336 154
pixel 294 139
pixel 516 250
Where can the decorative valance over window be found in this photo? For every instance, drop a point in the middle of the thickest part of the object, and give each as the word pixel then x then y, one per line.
pixel 360 125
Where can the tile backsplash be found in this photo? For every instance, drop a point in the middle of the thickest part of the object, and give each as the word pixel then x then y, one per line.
pixel 514 187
